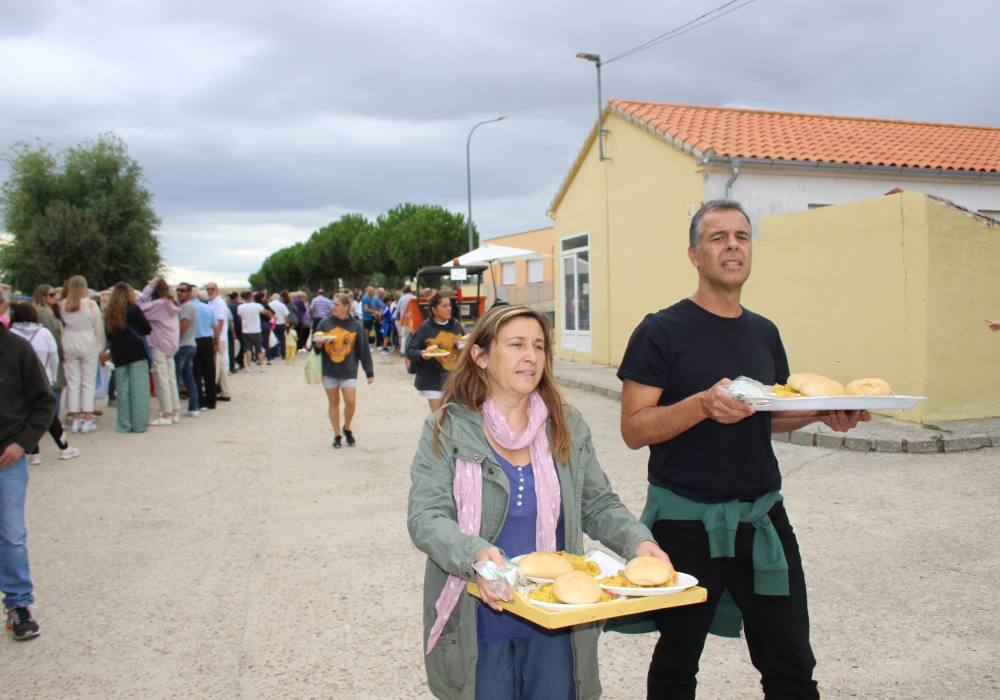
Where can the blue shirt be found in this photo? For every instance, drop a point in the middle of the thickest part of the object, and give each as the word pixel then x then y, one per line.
pixel 205 320
pixel 367 301
pixel 516 538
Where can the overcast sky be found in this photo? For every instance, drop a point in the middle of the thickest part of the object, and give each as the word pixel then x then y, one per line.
pixel 258 125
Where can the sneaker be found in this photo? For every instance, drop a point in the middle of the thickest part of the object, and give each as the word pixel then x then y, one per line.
pixel 88 426
pixel 69 453
pixel 350 437
pixel 35 459
pixel 75 427
pixel 192 414
pixel 260 368
pixel 111 403
pixel 175 418
pixel 21 624
pixel 224 398
pixel 336 442
pixel 161 421
pixel 385 351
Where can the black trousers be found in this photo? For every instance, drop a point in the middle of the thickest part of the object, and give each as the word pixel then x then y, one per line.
pixel 302 335
pixel 56 431
pixel 204 370
pixel 776 627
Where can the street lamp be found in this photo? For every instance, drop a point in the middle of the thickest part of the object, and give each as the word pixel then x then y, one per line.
pixel 468 171
pixel 596 60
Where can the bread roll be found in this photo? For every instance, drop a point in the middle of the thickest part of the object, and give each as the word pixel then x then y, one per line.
pixel 869 386
pixel 797 378
pixel 809 384
pixel 648 571
pixel 544 565
pixel 576 588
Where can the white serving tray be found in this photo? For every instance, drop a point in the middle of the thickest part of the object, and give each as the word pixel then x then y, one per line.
pixel 836 403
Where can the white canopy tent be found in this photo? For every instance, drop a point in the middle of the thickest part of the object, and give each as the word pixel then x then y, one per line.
pixel 488 254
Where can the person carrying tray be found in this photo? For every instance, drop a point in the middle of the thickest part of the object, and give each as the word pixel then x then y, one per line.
pixel 338 339
pixel 713 499
pixel 506 465
pixel 434 349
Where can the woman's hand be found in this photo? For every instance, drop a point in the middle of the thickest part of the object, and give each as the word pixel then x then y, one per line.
pixel 649 548
pixel 371 379
pixel 487 595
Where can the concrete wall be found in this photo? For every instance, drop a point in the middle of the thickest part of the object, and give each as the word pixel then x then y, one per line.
pixel 963 356
pixel 895 287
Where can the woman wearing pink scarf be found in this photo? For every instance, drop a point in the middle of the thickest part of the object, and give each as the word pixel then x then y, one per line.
pixel 506 465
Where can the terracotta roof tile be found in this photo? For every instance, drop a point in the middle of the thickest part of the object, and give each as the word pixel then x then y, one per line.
pixel 753 133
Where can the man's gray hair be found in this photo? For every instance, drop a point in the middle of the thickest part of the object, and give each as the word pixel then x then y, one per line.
pixel 708 207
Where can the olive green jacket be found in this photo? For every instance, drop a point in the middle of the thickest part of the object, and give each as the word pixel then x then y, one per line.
pixel 588 504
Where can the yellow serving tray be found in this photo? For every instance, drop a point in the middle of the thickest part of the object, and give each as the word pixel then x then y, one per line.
pixel 556 619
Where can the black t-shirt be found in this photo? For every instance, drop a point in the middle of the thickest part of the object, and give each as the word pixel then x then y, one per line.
pixel 685 349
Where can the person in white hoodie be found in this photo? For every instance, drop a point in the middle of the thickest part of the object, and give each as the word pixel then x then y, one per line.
pixel 83 340
pixel 24 322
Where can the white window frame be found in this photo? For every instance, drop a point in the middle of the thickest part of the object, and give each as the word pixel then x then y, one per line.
pixel 572 338
pixel 508 274
pixel 536 271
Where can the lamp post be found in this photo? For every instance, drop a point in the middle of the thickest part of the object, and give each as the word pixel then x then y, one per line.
pixel 468 171
pixel 596 60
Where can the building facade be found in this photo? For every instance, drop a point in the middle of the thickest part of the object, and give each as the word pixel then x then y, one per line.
pixel 621 224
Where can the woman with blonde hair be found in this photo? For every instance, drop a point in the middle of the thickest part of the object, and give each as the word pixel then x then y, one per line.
pixel 127 329
pixel 83 339
pixel 162 310
pixel 505 466
pixel 343 344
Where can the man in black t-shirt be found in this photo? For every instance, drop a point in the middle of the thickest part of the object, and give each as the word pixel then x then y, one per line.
pixel 714 479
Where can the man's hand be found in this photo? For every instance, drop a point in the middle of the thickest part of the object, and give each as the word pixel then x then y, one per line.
pixel 11 454
pixel 993 325
pixel 717 404
pixel 842 421
pixel 487 595
pixel 649 548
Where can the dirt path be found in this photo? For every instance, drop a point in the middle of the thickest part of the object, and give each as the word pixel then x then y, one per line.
pixel 230 557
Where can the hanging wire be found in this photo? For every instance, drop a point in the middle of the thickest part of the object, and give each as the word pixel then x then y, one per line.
pixel 700 21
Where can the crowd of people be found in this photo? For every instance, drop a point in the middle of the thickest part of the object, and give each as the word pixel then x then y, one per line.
pixel 504 466
pixel 70 346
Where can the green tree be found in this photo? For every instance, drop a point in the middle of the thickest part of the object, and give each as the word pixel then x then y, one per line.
pixel 327 254
pixel 87 213
pixel 415 235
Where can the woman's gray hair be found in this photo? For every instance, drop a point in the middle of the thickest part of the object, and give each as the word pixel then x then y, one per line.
pixel 694 233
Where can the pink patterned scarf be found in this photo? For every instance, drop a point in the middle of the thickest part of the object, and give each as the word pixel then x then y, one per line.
pixel 468 492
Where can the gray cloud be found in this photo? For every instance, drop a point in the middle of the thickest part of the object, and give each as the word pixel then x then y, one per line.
pixel 257 119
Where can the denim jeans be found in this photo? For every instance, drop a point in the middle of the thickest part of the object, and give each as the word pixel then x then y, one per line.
pixel 15 575
pixel 184 359
pixel 539 667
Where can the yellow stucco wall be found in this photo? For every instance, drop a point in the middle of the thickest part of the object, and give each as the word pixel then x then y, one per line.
pixel 635 207
pixel 541 239
pixel 895 287
pixel 651 187
pixel 963 356
pixel 583 210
